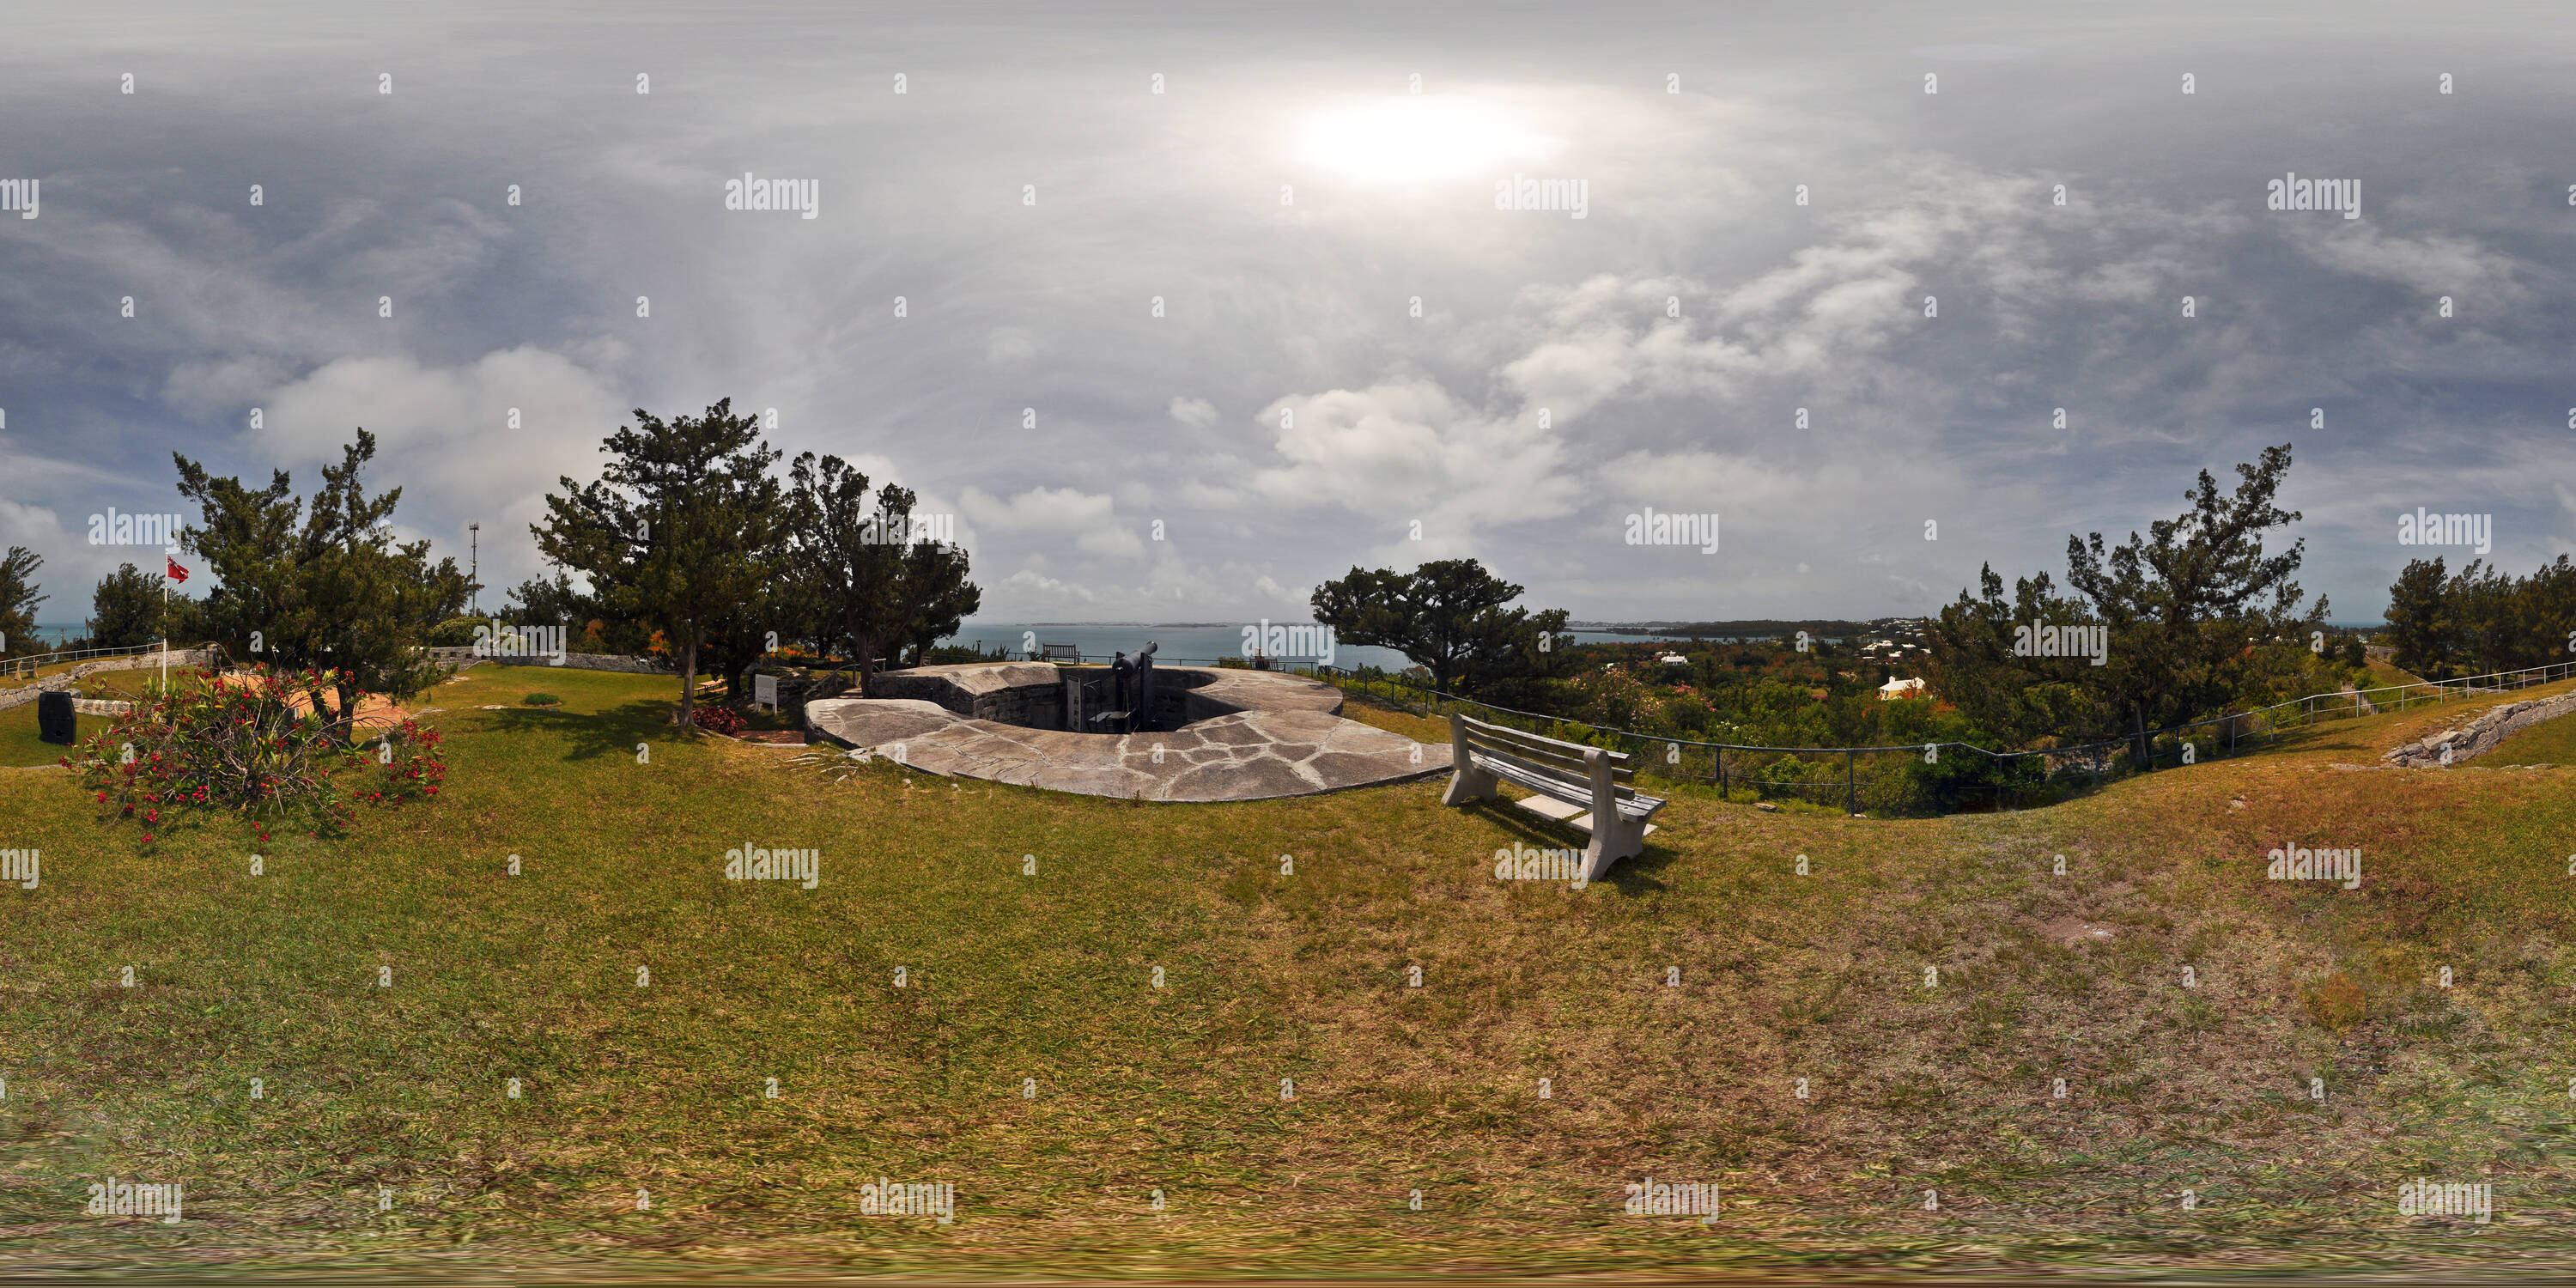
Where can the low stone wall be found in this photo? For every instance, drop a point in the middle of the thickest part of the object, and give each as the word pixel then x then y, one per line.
pixel 2480 736
pixel 464 656
pixel 1027 694
pixel 21 696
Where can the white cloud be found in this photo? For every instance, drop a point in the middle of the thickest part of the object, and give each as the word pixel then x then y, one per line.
pixel 1090 519
pixel 1197 413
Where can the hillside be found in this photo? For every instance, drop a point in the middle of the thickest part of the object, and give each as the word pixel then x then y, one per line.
pixel 1300 976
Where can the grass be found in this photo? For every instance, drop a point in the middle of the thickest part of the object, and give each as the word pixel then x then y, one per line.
pixel 2551 742
pixel 1272 975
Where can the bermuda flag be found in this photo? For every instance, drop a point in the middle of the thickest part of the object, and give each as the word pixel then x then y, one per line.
pixel 176 573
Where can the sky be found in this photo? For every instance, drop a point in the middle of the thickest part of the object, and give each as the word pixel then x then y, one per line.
pixel 1202 305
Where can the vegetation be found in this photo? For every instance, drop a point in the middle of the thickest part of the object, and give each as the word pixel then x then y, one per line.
pixel 675 533
pixel 1448 616
pixel 319 587
pixel 18 600
pixel 243 746
pixel 2197 617
pixel 2479 621
pixel 133 607
pixel 1301 976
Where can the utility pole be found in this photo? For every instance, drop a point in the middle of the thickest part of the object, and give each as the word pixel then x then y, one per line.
pixel 474 563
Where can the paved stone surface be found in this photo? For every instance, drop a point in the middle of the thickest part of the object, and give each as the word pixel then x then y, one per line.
pixel 1267 735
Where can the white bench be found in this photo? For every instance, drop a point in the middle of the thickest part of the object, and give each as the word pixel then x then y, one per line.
pixel 1585 788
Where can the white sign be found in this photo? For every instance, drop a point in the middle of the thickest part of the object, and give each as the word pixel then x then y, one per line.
pixel 764 691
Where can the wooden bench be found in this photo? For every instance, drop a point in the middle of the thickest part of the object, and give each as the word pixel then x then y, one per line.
pixel 1585 788
pixel 1059 653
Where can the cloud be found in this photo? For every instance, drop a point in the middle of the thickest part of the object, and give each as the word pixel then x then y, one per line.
pixel 1197 413
pixel 1090 519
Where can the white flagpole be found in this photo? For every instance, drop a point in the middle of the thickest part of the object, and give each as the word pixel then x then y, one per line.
pixel 166 556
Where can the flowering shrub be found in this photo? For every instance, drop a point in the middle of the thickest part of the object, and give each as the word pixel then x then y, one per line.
pixel 723 720
pixel 241 746
pixel 411 769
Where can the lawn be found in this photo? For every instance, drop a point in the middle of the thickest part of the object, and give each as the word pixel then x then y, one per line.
pixel 2551 742
pixel 934 1012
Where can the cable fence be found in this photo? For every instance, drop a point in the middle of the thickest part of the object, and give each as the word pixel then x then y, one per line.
pixel 1946 776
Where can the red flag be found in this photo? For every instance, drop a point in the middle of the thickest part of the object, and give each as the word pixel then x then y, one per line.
pixel 177 573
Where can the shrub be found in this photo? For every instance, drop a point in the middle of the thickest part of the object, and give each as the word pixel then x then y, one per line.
pixel 723 720
pixel 455 632
pixel 542 700
pixel 2338 1004
pixel 239 745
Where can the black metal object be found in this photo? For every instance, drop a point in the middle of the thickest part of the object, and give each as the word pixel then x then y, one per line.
pixel 1144 707
pixel 56 721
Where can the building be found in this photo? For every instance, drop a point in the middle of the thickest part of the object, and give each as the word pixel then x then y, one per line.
pixel 1901 689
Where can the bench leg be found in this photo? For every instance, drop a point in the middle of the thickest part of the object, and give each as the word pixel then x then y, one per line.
pixel 1469 783
pixel 1612 841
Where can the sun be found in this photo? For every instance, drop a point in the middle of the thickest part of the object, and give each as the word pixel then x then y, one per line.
pixel 1417 139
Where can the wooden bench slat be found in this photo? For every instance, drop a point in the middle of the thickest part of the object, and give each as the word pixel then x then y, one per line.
pixel 1580 784
pixel 1550 760
pixel 1546 751
pixel 1557 745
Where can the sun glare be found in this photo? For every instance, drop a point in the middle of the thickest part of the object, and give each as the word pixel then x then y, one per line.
pixel 1414 139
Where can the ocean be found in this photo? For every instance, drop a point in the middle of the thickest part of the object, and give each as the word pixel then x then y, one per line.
pixel 1188 644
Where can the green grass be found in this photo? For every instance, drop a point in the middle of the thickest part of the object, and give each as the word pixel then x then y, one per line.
pixel 2551 742
pixel 1271 976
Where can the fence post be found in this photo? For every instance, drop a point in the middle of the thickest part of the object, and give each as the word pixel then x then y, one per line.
pixel 1851 779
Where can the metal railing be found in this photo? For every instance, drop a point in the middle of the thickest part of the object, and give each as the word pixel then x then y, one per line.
pixel 12 668
pixel 1759 767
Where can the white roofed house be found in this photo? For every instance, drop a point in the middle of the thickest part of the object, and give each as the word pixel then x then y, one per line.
pixel 1901 689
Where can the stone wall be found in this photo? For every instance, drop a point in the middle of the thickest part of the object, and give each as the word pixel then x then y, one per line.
pixel 21 696
pixel 1028 694
pixel 464 656
pixel 2480 736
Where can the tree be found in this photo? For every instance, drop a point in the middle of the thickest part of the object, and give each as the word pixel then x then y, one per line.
pixel 936 595
pixel 679 530
pixel 2184 603
pixel 2479 619
pixel 2015 696
pixel 322 583
pixel 850 559
pixel 2419 626
pixel 1446 615
pixel 18 600
pixel 127 608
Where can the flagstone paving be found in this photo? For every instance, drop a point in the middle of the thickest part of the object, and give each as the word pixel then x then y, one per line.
pixel 1282 739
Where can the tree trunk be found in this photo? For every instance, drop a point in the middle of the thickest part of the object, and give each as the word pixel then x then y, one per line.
pixel 688 674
